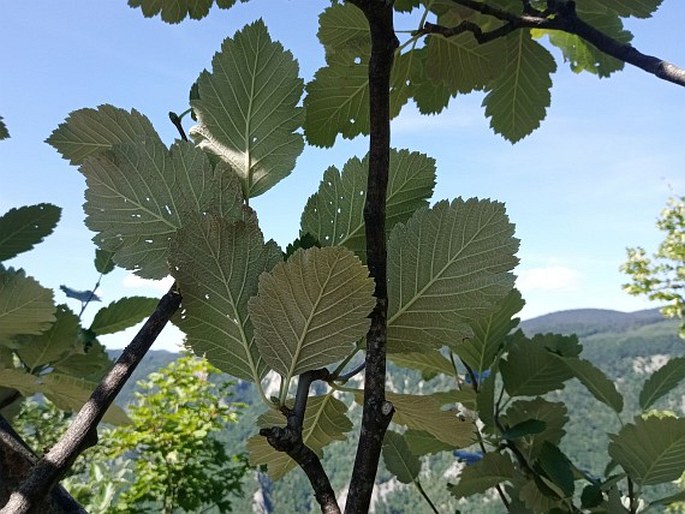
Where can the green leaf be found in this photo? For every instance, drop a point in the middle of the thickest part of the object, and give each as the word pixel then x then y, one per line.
pixel 677 497
pixel 140 194
pixel 652 450
pixel 425 413
pixel 24 227
pixel 535 499
pixel 325 421
pixel 4 133
pixel 247 110
pixel 485 402
pixel 399 460
pixel 623 8
pixel 344 32
pixel 662 381
pixel 71 393
pixel 335 213
pixel 25 306
pixel 91 365
pixel 104 262
pixel 310 310
pixel 596 382
pixel 175 11
pixel 52 344
pixel 422 443
pixel 446 266
pixel 524 428
pixel 493 469
pixel 217 264
pixel 530 369
pixel 428 362
pixel 581 55
pixel 480 351
pixel 553 414
pixel 19 380
pixel 122 314
pixel 460 62
pixel 87 132
pixel 557 468
pixel 519 96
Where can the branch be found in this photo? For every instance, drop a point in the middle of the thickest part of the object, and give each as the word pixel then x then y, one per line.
pixel 82 432
pixel 288 439
pixel 16 461
pixel 377 411
pixel 566 20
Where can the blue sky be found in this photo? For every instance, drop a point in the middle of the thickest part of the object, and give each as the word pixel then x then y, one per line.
pixel 588 183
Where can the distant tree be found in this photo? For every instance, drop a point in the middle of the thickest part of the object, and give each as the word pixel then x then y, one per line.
pixel 661 277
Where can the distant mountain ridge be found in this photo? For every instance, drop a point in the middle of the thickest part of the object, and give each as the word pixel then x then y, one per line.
pixel 586 322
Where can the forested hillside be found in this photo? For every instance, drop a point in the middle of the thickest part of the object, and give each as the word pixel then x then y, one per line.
pixel 625 345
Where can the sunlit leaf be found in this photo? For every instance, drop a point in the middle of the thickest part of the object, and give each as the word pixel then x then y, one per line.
pixel 87 132
pixel 52 344
pixel 216 264
pixel 446 266
pixel 652 450
pixel 425 412
pixel 140 194
pixel 310 310
pixel 325 421
pixel 334 215
pixel 519 96
pixel 70 393
pixel 399 460
pixel 662 381
pixel 122 314
pixel 25 306
pixel 428 362
pixel 24 227
pixel 247 109
pixel 583 56
pixel 493 469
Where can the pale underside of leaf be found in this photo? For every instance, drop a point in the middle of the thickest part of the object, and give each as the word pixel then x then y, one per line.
pixel 446 266
pixel 247 109
pixel 140 193
pixel 87 132
pixel 334 215
pixel 217 264
pixel 311 310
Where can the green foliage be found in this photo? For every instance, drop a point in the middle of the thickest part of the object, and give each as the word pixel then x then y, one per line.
pixel 4 133
pixel 22 228
pixel 179 462
pixel 661 277
pixel 247 114
pixel 185 210
pixel 175 11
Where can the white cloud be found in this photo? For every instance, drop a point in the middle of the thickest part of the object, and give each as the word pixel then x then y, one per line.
pixel 135 282
pixel 548 278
